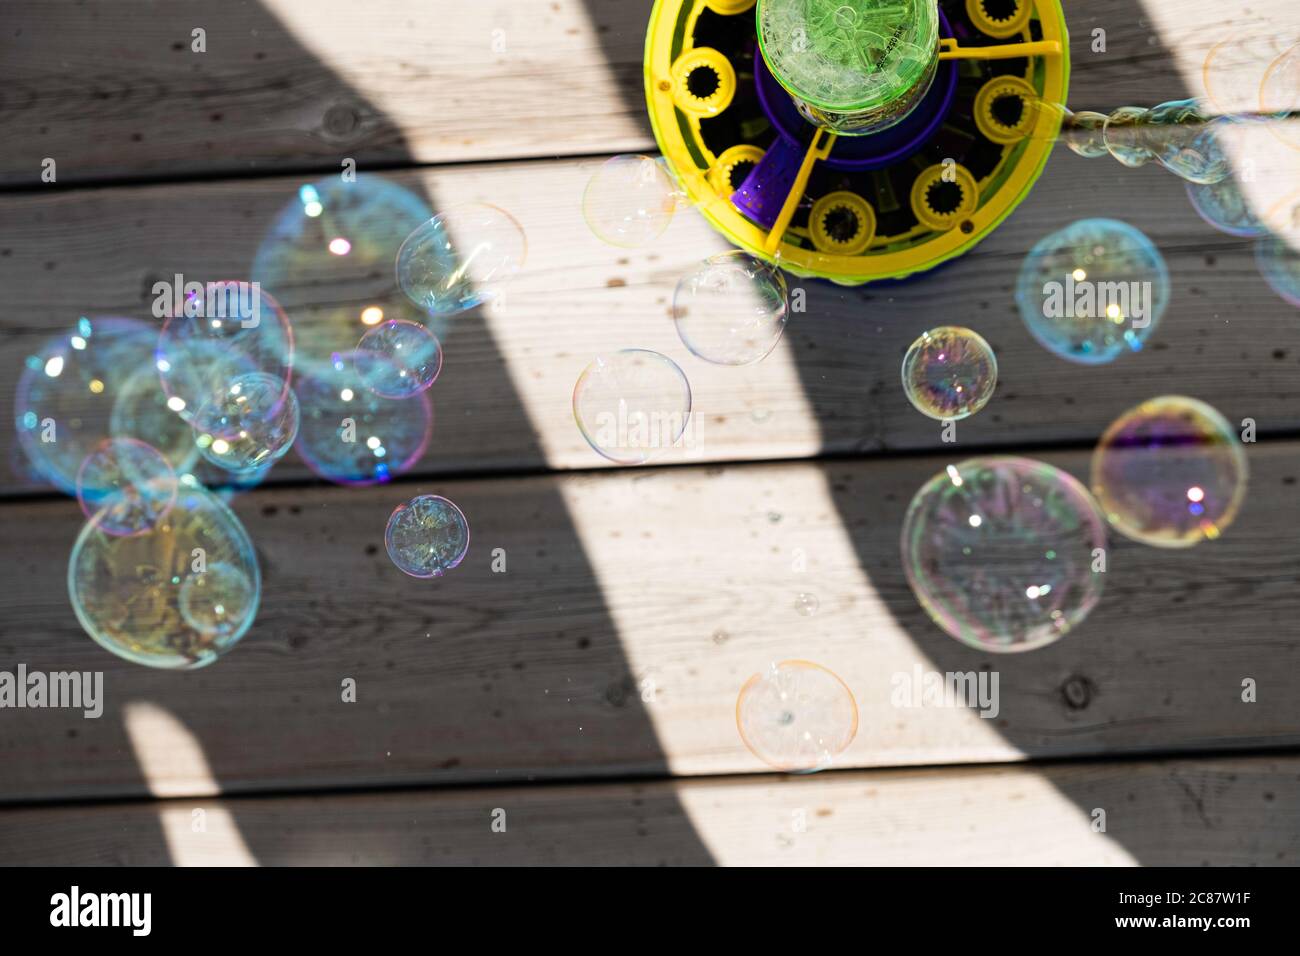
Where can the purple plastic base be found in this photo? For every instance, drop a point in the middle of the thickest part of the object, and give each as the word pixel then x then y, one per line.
pixel 765 189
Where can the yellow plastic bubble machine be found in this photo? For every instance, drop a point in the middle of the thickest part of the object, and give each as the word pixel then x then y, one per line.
pixel 856 140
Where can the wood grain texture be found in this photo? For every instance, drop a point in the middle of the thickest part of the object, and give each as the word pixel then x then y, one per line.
pixel 1212 812
pixel 504 399
pixel 633 607
pixel 113 89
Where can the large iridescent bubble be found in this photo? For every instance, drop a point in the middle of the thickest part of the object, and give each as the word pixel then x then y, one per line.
pixel 796 716
pixel 148 599
pixel 461 258
pixel 222 330
pixel 427 536
pixel 64 405
pixel 1170 472
pixel 352 436
pixel 328 259
pixel 1093 290
pixel 128 484
pixel 1002 552
pixel 949 373
pixel 632 405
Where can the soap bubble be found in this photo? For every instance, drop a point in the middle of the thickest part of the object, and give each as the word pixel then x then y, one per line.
pixel 348 434
pixel 806 603
pixel 427 536
pixel 216 602
pixel 796 716
pixel 632 405
pixel 1093 290
pixel 949 373
pixel 731 308
pixel 461 258
pixel 63 407
pixel 1279 264
pixel 128 484
pixel 328 259
pixel 247 424
pixel 1223 206
pixel 228 330
pixel 1170 472
pixel 126 591
pixel 397 359
pixel 1000 552
pixel 629 201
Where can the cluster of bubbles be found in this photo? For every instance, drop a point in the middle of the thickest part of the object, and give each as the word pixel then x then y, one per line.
pixel 729 309
pixel 139 423
pixel 155 429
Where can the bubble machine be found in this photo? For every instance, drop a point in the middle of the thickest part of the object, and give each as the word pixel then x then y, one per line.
pixel 856 140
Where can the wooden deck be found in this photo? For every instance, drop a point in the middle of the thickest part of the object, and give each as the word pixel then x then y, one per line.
pixel 524 691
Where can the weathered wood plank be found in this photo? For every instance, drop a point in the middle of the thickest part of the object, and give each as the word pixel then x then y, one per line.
pixel 1224 812
pixel 679 582
pixel 115 89
pixel 503 401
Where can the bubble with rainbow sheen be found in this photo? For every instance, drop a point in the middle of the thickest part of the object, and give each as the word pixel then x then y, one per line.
pixel 1279 263
pixel 216 332
pixel 1093 290
pixel 127 591
pixel 398 359
pixel 248 424
pixel 949 373
pixel 629 201
pixel 731 308
pixel 327 258
pixel 351 436
pixel 461 258
pixel 64 403
pixel 127 485
pixel 632 405
pixel 427 536
pixel 1001 551
pixel 1170 472
pixel 796 716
